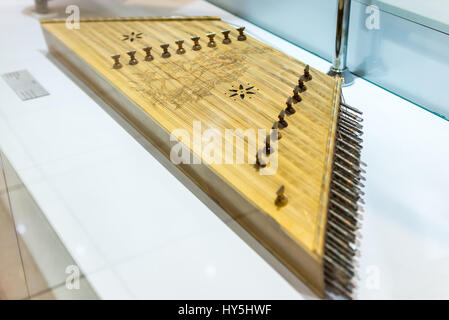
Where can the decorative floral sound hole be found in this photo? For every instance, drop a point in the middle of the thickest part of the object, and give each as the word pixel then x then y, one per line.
pixel 241 92
pixel 132 36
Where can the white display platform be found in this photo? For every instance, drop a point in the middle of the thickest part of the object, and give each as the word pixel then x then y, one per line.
pixel 137 231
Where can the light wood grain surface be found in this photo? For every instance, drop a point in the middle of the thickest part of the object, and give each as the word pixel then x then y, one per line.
pixel 195 87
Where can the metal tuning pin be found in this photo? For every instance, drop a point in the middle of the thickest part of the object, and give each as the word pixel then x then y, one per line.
pixel 296 97
pixel 282 122
pixel 164 47
pixel 132 60
pixel 260 161
pixel 302 87
pixel 226 39
pixel 275 129
pixel 241 36
pixel 307 75
pixel 289 110
pixel 148 56
pixel 281 199
pixel 116 58
pixel 196 44
pixel 180 49
pixel 211 42
pixel 351 108
pixel 268 149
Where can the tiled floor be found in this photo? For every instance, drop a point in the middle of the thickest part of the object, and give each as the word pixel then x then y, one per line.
pixel 33 261
pixel 12 277
pixel 62 293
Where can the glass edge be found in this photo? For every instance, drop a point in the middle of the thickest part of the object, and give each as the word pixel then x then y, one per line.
pixel 319 56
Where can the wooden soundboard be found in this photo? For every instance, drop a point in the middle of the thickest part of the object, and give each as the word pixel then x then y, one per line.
pixel 243 85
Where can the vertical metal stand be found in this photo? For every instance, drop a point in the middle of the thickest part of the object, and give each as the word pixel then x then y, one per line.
pixel 339 68
pixel 41 6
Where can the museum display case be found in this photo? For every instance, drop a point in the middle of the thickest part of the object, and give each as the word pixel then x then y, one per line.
pixel 98 199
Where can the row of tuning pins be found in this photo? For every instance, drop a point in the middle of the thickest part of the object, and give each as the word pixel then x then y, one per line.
pixel 345 205
pixel 296 98
pixel 281 123
pixel 281 199
pixel 180 49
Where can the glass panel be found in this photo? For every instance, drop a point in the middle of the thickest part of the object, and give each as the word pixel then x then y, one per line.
pixel 429 13
pixel 309 24
pixel 407 58
pixel 401 45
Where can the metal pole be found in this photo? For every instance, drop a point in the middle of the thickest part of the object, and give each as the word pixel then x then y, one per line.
pixel 41 6
pixel 339 68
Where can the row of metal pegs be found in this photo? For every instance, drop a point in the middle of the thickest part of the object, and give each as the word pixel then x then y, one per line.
pixel 180 50
pixel 281 199
pixel 345 205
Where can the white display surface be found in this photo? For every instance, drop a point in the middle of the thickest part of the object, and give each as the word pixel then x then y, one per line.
pixel 138 232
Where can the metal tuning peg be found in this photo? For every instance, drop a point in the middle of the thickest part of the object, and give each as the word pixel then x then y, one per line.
pixel 268 149
pixel 289 109
pixel 302 87
pixel 307 76
pixel 281 198
pixel 260 161
pixel 196 44
pixel 211 42
pixel 180 49
pixel 148 56
pixel 226 39
pixel 117 64
pixel 241 36
pixel 164 47
pixel 132 60
pixel 282 123
pixel 296 97
pixel 275 129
